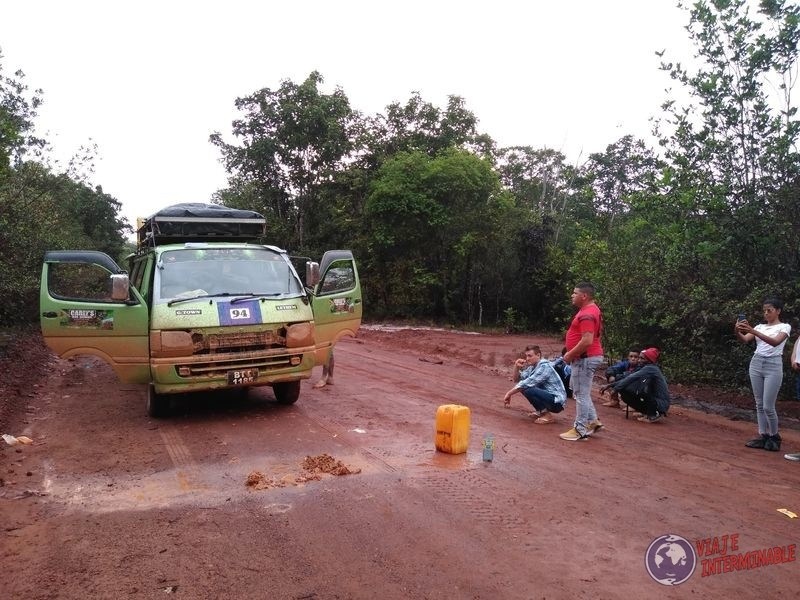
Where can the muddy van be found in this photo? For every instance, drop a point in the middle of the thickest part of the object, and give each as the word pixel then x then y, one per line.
pixel 201 306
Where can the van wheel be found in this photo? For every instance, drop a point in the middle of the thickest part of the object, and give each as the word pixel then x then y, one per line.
pixel 157 405
pixel 286 392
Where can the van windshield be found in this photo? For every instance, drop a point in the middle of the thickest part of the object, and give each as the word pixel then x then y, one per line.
pixel 189 272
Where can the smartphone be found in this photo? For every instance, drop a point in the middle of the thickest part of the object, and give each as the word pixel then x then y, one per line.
pixel 742 317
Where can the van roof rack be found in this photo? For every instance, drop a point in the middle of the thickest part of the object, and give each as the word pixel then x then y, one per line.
pixel 199 222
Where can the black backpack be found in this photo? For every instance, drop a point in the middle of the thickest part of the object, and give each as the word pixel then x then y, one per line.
pixel 560 368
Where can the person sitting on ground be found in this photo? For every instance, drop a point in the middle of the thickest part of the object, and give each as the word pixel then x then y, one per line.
pixel 620 370
pixel 623 367
pixel 540 384
pixel 653 402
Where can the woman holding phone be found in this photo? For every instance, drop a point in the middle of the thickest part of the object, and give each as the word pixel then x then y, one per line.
pixel 766 369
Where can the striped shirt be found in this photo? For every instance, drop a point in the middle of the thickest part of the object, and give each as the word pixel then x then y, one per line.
pixel 543 375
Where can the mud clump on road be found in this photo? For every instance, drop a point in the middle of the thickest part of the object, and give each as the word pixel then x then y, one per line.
pixel 325 463
pixel 313 466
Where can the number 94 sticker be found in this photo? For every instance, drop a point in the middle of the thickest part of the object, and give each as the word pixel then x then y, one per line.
pixel 239 313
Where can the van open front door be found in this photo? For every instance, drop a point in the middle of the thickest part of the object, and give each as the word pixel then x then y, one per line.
pixel 336 301
pixel 87 306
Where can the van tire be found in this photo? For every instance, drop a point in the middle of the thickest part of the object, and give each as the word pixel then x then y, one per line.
pixel 157 405
pixel 286 392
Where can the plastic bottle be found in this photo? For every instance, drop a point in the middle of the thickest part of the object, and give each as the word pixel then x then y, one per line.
pixel 488 447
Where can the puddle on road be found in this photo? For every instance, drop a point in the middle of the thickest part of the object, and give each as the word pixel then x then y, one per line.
pixel 188 485
pixel 453 462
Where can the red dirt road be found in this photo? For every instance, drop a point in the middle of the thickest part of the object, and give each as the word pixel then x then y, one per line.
pixel 107 503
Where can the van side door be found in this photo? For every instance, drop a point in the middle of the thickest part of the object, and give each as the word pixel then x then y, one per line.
pixel 87 306
pixel 336 301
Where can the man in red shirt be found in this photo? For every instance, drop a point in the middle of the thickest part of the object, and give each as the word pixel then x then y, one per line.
pixel 585 354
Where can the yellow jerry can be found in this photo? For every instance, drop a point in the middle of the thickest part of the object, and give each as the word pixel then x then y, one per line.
pixel 452 428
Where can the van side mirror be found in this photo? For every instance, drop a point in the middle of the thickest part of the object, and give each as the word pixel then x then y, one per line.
pixel 312 274
pixel 120 285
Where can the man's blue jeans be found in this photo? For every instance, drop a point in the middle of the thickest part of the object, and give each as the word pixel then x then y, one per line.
pixel 582 375
pixel 541 400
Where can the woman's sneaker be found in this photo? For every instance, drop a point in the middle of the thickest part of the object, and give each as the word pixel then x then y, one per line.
pixel 773 443
pixel 794 456
pixel 759 442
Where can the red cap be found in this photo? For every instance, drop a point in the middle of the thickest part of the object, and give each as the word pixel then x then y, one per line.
pixel 651 354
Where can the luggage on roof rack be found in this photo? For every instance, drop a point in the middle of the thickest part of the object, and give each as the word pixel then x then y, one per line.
pixel 199 222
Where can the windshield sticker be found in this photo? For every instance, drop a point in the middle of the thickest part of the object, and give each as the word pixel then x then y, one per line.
pixel 87 318
pixel 286 307
pixel 342 305
pixel 188 311
pixel 241 313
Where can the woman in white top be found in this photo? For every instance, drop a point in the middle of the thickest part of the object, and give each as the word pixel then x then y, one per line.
pixel 766 370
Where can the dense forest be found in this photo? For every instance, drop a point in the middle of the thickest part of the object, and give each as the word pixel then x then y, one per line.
pixel 448 227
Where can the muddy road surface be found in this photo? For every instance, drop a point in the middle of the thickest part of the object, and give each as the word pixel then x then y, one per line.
pixel 343 494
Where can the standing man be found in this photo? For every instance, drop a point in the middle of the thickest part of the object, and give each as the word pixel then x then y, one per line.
pixel 585 355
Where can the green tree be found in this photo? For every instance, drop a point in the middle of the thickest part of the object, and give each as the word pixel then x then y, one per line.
pixel 430 217
pixel 419 126
pixel 291 140
pixel 730 138
pixel 18 110
pixel 625 168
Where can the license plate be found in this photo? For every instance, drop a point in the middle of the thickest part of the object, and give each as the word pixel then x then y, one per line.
pixel 242 376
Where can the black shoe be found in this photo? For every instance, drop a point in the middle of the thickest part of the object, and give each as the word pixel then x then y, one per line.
pixel 773 443
pixel 759 442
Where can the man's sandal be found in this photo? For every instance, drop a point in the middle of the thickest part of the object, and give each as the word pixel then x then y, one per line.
pixel 612 404
pixel 544 420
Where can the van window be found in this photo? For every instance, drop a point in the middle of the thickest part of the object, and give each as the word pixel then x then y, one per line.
pixel 216 271
pixel 340 277
pixel 137 275
pixel 79 281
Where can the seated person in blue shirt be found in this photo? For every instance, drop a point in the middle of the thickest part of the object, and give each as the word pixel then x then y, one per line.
pixel 620 370
pixel 539 383
pixel 623 368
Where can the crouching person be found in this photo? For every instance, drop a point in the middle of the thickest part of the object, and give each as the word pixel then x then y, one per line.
pixel 538 381
pixel 645 390
pixel 620 370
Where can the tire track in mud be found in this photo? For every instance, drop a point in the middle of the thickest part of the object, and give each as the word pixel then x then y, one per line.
pixel 476 496
pixel 187 471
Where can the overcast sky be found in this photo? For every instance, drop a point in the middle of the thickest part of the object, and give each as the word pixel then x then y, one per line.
pixel 148 81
